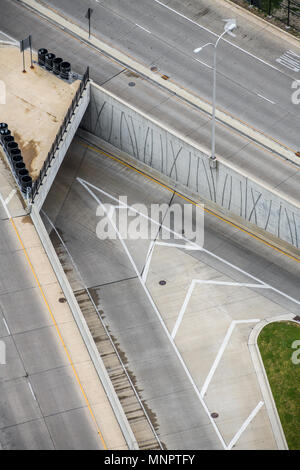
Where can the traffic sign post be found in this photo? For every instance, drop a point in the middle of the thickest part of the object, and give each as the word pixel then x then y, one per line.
pixel 26 44
pixel 88 16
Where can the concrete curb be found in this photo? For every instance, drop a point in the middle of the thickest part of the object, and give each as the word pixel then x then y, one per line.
pixel 263 379
pixel 172 87
pixel 264 23
pixel 84 331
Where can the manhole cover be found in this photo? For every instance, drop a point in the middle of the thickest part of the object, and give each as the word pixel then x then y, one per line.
pixel 62 300
pixel 154 68
pixel 162 283
pixel 131 83
pixel 214 415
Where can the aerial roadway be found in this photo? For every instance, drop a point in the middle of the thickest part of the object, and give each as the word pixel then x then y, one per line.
pixel 254 83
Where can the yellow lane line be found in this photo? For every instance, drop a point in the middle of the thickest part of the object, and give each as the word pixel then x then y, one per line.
pixel 208 211
pixel 58 332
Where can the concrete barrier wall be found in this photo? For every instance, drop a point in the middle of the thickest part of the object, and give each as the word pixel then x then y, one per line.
pixel 186 163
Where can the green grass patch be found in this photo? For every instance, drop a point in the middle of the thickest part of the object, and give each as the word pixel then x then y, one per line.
pixel 275 344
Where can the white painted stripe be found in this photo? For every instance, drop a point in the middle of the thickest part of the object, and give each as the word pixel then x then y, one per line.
pixel 32 392
pixel 5 206
pixel 159 316
pixel 183 309
pixel 227 283
pixel 245 425
pixel 11 195
pixel 148 261
pixel 222 260
pixel 216 35
pixel 293 53
pixel 221 351
pixel 147 31
pixel 6 326
pixel 9 37
pixel 203 63
pixel 177 245
pixel 267 99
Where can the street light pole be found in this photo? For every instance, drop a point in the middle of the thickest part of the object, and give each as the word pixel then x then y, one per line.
pixel 230 25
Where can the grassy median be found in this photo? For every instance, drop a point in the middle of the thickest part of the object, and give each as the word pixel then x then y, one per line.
pixel 275 344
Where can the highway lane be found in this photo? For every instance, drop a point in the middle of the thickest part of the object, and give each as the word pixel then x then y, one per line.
pixel 178 416
pixel 41 406
pixel 251 85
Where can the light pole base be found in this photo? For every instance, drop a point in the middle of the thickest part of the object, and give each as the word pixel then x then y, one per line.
pixel 213 163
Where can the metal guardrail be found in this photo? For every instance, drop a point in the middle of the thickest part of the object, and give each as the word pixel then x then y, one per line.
pixel 59 136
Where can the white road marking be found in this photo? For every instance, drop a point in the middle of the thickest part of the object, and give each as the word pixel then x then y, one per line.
pixel 290 60
pixel 203 63
pixel 6 326
pixel 245 425
pixel 11 195
pixel 32 392
pixel 177 245
pixel 222 260
pixel 9 37
pixel 216 35
pixel 221 352
pixel 139 26
pixel 264 98
pixel 199 281
pixel 5 206
pixel 148 261
pixel 85 185
pixel 183 309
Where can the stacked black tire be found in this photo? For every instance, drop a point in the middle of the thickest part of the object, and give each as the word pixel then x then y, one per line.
pixel 54 64
pixel 15 158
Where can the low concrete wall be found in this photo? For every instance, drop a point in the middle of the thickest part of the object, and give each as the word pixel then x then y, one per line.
pixel 186 163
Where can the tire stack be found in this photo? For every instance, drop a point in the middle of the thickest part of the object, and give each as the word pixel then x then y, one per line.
pixel 15 158
pixel 54 64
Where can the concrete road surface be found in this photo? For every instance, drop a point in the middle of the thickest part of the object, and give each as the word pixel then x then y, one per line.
pixel 41 405
pixel 248 157
pixel 111 273
pixel 252 84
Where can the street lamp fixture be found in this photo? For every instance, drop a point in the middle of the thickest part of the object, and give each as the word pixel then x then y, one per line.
pixel 230 25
